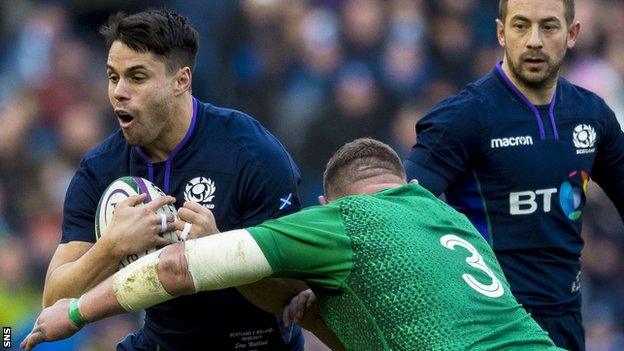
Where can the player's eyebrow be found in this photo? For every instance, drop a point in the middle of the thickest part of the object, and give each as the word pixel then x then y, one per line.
pixel 550 19
pixel 520 18
pixel 129 69
pixel 525 19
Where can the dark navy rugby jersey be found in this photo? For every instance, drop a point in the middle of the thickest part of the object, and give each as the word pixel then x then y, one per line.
pixel 519 173
pixel 228 163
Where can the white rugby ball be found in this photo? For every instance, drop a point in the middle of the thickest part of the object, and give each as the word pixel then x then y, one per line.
pixel 118 191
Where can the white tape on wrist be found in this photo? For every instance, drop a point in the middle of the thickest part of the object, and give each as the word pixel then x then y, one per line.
pixel 225 260
pixel 163 223
pixel 137 285
pixel 185 231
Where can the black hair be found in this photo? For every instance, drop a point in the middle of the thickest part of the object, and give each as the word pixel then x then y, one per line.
pixel 568 4
pixel 161 32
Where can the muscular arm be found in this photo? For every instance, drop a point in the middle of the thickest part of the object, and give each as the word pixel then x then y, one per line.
pixel 77 266
pixel 270 294
pixel 209 263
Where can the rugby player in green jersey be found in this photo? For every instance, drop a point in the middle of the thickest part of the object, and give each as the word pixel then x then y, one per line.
pixel 393 268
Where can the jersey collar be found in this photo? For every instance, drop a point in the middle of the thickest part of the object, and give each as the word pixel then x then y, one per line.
pixel 174 153
pixel 551 107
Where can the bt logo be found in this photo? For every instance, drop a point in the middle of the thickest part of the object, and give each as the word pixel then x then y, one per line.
pixel 523 202
pixel 571 197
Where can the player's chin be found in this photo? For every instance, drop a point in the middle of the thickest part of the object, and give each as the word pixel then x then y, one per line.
pixel 533 71
pixel 131 138
pixel 535 77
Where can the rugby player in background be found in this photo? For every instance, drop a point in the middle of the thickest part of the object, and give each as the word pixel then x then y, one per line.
pixel 514 152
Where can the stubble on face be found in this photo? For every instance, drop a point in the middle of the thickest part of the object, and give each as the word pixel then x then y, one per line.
pixel 145 94
pixel 153 122
pixel 531 77
pixel 535 61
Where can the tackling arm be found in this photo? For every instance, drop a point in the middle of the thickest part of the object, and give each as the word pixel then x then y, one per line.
pixel 209 263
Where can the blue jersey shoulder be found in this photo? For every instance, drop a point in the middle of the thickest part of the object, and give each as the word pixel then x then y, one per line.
pixel 255 142
pixel 575 100
pixel 244 129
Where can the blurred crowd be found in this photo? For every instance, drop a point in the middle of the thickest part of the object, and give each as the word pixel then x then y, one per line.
pixel 316 73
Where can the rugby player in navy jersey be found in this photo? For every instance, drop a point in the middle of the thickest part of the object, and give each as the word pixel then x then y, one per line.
pixel 514 152
pixel 218 158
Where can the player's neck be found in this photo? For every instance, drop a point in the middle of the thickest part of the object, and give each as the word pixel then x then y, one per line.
pixel 174 132
pixel 537 96
pixel 375 184
pixel 377 187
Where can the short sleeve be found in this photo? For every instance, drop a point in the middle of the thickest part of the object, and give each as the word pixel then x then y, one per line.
pixel 608 169
pixel 447 137
pixel 310 245
pixel 81 202
pixel 268 182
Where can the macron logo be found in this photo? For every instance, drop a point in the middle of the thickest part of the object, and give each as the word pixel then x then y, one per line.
pixel 512 141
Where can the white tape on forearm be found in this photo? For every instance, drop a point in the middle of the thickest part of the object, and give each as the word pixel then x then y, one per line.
pixel 225 260
pixel 137 285
pixel 163 223
pixel 185 231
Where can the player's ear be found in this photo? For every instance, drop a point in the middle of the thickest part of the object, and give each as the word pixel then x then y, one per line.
pixel 322 200
pixel 573 33
pixel 500 32
pixel 183 80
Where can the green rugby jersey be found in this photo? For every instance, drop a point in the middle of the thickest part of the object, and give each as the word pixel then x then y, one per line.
pixel 400 270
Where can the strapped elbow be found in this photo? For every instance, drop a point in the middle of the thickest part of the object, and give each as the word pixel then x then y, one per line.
pixel 173 271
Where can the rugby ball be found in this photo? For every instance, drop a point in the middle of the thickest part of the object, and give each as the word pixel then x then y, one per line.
pixel 118 191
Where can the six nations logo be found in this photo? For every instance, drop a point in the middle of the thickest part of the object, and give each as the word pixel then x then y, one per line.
pixel 200 190
pixel 584 138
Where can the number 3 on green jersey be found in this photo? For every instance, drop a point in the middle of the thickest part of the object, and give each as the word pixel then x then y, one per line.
pixel 494 289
